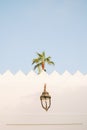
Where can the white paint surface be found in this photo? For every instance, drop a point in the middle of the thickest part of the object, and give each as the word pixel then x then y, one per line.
pixel 20 101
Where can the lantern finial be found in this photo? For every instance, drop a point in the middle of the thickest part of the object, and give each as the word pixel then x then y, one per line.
pixel 45 87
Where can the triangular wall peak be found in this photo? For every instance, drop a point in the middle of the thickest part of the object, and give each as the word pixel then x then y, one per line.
pixel 21 73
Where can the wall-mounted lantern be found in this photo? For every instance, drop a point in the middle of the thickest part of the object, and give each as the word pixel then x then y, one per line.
pixel 45 99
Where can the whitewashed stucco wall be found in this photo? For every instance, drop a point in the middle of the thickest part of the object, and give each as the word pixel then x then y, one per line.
pixel 20 97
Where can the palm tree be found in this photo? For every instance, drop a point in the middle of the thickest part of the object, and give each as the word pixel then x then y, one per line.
pixel 41 60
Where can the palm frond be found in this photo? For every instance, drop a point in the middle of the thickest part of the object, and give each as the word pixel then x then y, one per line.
pixel 51 63
pixel 40 55
pixel 47 59
pixel 43 54
pixel 38 65
pixel 35 61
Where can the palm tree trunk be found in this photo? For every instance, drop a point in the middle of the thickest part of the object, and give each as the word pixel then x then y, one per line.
pixel 43 66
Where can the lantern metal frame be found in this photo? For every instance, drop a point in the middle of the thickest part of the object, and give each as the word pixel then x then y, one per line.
pixel 45 99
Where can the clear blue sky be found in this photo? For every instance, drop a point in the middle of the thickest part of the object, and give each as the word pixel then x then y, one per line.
pixel 58 27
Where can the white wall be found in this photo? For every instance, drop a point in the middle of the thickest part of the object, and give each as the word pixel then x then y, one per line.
pixel 20 98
